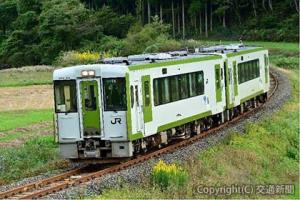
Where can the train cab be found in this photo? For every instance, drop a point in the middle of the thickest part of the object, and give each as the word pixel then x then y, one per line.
pixel 90 109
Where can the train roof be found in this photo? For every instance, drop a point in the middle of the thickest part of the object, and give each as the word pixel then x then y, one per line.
pixel 118 66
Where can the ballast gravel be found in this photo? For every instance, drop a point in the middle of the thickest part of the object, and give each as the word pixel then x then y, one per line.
pixel 138 173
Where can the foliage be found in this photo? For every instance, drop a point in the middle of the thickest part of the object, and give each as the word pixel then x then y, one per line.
pixel 168 175
pixel 34 157
pixel 14 119
pixel 36 32
pixel 74 58
pixel 149 38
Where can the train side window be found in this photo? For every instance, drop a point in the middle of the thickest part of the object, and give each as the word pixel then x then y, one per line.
pixel 200 83
pixel 183 84
pixel 192 80
pixel 132 96
pixel 174 88
pixel 165 92
pixel 257 69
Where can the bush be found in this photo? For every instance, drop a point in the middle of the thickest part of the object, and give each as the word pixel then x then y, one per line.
pixel 168 175
pixel 75 58
pixel 149 38
pixel 286 62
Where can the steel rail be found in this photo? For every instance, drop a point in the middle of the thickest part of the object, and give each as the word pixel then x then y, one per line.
pixel 56 183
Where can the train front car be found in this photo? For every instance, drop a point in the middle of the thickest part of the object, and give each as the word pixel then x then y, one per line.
pixel 90 107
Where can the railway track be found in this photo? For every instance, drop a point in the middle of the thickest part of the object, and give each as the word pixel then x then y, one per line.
pixel 81 175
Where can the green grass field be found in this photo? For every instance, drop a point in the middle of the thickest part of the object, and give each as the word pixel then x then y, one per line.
pixel 13 79
pixel 14 119
pixel 36 156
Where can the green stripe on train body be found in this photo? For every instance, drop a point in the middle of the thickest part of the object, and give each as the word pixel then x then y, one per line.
pixel 175 62
pixel 183 121
pixel 147 100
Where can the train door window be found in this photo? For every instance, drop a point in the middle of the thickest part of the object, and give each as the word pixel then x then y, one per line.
pixel 218 81
pixel 165 92
pixel 65 96
pixel 90 98
pixel 147 93
pixel 137 95
pixel 183 84
pixel 115 94
pixel 174 88
pixel 192 80
pixel 200 83
pixel 132 96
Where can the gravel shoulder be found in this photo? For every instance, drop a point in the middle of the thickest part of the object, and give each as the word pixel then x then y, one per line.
pixel 138 173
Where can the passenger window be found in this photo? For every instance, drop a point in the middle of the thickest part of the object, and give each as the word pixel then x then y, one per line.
pixel 164 90
pixel 90 98
pixel 156 92
pixel 174 88
pixel 200 83
pixel 183 83
pixel 115 94
pixel 192 80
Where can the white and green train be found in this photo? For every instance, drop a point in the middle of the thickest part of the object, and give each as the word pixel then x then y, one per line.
pixel 126 106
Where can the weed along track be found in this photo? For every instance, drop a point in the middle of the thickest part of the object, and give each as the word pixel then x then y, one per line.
pixel 81 175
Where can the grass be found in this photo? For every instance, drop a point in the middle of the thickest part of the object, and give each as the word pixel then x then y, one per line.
pixel 39 75
pixel 14 119
pixel 32 158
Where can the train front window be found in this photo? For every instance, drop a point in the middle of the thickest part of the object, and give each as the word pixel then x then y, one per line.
pixel 65 96
pixel 114 94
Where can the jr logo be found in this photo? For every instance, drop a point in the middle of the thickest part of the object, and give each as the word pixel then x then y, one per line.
pixel 117 120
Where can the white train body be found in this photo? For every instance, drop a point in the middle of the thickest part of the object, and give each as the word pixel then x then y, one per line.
pixel 118 110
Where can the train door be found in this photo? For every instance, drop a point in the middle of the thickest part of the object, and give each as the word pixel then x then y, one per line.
pixel 138 108
pixel 91 107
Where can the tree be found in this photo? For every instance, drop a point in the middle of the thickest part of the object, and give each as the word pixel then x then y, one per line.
pixel 62 24
pixel 173 19
pixel 223 6
pixel 183 20
pixel 8 13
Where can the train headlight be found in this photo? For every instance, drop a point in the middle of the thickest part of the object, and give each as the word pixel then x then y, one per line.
pixel 91 73
pixel 88 73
